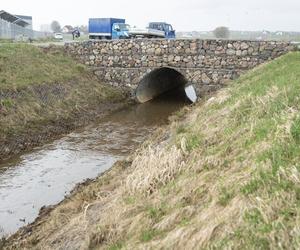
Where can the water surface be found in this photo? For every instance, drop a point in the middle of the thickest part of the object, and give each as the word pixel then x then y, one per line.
pixel 45 175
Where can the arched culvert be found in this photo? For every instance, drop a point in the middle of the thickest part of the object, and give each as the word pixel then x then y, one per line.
pixel 157 82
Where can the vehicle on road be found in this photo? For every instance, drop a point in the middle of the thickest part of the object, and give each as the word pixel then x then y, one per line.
pixel 120 31
pixel 107 28
pixel 147 33
pixel 165 27
pixel 58 36
pixel 154 30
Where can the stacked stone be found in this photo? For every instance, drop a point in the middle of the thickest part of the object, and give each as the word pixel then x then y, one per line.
pixel 177 53
pixel 207 63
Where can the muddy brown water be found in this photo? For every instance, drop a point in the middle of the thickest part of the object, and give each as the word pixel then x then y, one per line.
pixel 47 174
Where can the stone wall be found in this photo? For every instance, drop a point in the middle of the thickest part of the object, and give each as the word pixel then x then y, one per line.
pixel 206 63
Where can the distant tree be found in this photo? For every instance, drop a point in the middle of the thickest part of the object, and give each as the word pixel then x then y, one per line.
pixel 67 29
pixel 55 26
pixel 221 32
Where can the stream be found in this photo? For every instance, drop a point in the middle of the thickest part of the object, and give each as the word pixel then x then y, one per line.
pixel 47 174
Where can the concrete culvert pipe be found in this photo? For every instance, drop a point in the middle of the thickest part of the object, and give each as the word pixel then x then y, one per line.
pixel 157 82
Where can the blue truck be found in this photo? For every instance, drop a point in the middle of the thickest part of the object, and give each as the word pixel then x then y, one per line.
pixel 108 28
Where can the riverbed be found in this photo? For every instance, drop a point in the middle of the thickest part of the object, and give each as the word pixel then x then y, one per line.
pixel 47 174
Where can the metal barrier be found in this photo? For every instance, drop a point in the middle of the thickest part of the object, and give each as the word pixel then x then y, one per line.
pixel 12 31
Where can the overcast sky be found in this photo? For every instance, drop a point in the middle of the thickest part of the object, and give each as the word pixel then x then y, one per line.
pixel 184 15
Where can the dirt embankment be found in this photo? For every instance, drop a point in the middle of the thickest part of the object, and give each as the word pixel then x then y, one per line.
pixel 226 176
pixel 45 93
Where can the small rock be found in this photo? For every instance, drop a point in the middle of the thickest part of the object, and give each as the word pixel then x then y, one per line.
pixel 244 46
pixel 158 51
pixel 205 79
pixel 188 51
pixel 177 58
pixel 230 52
pixel 244 52
pixel 95 52
pixel 250 50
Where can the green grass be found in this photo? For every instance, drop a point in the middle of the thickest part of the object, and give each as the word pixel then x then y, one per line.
pixel 129 200
pixel 255 129
pixel 156 213
pixel 6 103
pixel 225 196
pixel 295 131
pixel 148 235
pixel 184 222
pixel 116 246
pixel 24 64
pixel 269 121
pixel 6 41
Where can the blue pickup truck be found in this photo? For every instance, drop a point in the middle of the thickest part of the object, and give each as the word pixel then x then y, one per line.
pixel 108 28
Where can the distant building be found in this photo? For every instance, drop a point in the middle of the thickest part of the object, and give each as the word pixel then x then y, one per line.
pixel 28 19
pixel 14 19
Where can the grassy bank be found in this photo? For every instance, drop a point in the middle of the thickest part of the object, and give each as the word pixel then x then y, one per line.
pixel 23 65
pixel 44 92
pixel 225 174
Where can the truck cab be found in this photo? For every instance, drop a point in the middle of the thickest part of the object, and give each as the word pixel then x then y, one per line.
pixel 120 31
pixel 167 28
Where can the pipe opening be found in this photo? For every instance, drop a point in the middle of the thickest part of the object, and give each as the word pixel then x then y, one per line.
pixel 167 82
